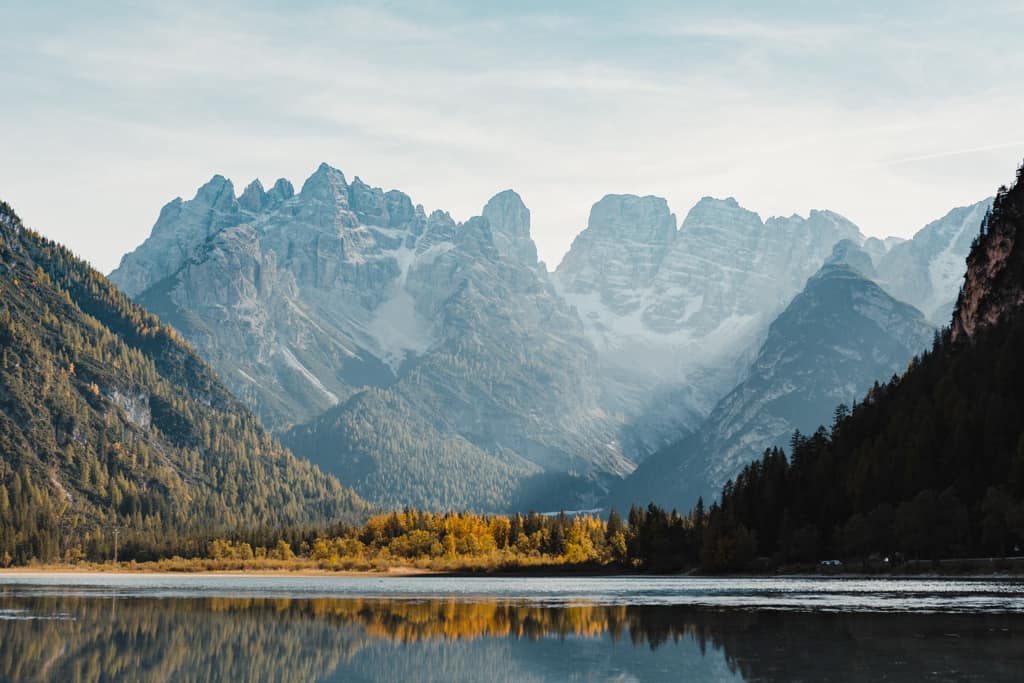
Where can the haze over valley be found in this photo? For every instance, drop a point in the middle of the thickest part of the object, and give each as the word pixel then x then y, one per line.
pixel 438 364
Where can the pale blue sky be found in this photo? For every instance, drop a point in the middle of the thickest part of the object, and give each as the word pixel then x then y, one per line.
pixel 888 116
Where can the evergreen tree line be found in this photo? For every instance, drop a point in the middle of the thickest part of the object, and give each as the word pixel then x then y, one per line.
pixel 930 465
pixel 110 425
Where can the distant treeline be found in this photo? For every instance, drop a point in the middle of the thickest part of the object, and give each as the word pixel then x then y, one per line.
pixel 930 465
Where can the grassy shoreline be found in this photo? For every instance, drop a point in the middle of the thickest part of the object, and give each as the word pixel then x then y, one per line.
pixel 178 566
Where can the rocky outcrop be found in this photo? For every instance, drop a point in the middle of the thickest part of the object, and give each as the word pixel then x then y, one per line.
pixel 994 284
pixel 181 227
pixel 847 253
pixel 509 220
pixel 927 271
pixel 618 254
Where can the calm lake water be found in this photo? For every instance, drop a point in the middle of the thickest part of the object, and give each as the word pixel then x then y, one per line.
pixel 232 628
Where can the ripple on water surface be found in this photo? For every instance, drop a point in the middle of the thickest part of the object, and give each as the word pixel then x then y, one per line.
pixel 782 594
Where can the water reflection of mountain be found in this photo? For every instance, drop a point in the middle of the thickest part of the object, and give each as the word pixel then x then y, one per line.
pixel 144 639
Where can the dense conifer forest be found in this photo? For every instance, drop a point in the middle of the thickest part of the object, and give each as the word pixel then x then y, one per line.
pixel 111 426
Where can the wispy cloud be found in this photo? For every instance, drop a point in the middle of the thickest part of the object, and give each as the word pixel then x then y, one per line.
pixel 945 154
pixel 775 34
pixel 852 109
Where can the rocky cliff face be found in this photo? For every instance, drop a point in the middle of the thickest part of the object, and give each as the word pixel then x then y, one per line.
pixel 296 299
pixel 185 225
pixel 509 220
pixel 445 335
pixel 676 315
pixel 927 271
pixel 994 285
pixel 837 337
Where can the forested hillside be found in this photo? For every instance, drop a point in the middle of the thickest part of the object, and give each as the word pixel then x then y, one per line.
pixel 109 421
pixel 930 464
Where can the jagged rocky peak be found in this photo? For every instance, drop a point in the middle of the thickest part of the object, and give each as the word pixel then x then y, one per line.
pixel 281 191
pixel 825 226
pixel 720 215
pixel 439 229
pixel 324 199
pixel 994 283
pixel 510 222
pixel 927 270
pixel 476 237
pixel 620 250
pixel 368 203
pixel 180 228
pixel 824 216
pixel 846 252
pixel 326 181
pixel 816 234
pixel 356 220
pixel 253 198
pixel 644 219
pixel 217 193
pixel 400 210
pixel 256 200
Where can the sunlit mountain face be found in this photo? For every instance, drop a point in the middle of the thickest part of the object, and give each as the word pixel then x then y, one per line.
pixel 437 363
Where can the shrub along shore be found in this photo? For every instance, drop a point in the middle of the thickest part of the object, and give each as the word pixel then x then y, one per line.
pixel 415 542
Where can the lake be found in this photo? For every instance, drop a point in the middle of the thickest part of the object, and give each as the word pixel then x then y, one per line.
pixel 139 627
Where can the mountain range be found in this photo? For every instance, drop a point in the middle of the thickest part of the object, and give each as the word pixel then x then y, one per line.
pixel 430 361
pixel 437 363
pixel 675 314
pixel 929 464
pixel 838 336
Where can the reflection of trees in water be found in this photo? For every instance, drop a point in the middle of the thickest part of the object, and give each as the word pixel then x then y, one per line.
pixel 173 639
pixel 857 647
pixel 148 639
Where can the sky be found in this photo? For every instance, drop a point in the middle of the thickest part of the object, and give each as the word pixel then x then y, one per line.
pixel 888 115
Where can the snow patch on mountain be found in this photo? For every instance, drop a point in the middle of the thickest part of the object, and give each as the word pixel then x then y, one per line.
pixel 396 327
pixel 677 314
pixel 292 361
pixel 927 271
